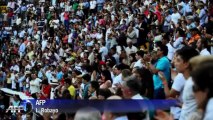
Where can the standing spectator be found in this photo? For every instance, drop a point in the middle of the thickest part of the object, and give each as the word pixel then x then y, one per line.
pixel 162 65
pixel 34 85
pixel 86 81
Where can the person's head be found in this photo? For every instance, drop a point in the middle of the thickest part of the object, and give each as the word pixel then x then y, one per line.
pixel 87 113
pixel 132 57
pixel 174 9
pixel 126 73
pixel 29 116
pixel 66 94
pixel 118 69
pixel 145 77
pixel 189 19
pixel 194 31
pixel 106 75
pixel 94 86
pixel 139 54
pixel 86 78
pixel 202 75
pixel 113 50
pixel 75 73
pixel 109 115
pixel 104 94
pixel 162 50
pixel 179 32
pixel 67 82
pixel 16 98
pixel 182 58
pixel 131 87
pixel 33 75
pixel 202 43
pixel 44 82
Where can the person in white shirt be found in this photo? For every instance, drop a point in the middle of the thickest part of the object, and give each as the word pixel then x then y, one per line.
pixel 202 45
pixel 178 39
pixel 139 56
pixel 131 90
pixel 11 4
pixel 131 35
pixel 44 44
pixel 118 79
pixel 103 50
pixel 202 67
pixel 175 16
pixel 93 5
pixel 182 65
pixel 130 48
pixel 34 85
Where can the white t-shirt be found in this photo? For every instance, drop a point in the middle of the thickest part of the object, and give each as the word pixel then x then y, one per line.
pixel 104 51
pixel 178 43
pixel 204 52
pixel 178 85
pixel 189 102
pixel 138 64
pixel 117 79
pixel 171 51
pixel 175 17
pixel 133 49
pixel 18 21
pixel 35 85
pixel 209 108
pixel 92 4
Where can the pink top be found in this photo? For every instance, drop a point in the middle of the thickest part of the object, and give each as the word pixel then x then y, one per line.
pixel 66 16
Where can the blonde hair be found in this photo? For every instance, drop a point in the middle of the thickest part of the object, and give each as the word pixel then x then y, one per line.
pixel 197 60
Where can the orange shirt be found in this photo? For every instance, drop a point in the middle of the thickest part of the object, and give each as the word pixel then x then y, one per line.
pixel 194 38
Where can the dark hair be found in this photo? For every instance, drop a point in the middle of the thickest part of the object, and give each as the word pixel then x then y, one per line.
pixel 186 53
pixel 66 94
pixel 164 48
pixel 86 77
pixel 68 81
pixel 140 53
pixel 181 32
pixel 45 81
pixel 105 92
pixel 147 85
pixel 133 56
pixel 204 42
pixel 107 75
pixel 95 85
pixel 62 116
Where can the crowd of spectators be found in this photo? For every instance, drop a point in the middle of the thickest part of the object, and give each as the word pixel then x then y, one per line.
pixel 110 49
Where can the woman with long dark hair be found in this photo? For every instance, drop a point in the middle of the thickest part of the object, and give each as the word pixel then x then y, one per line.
pixel 106 79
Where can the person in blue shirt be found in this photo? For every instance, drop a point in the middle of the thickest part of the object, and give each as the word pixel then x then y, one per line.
pixel 100 4
pixel 162 65
pixel 59 74
pixel 86 80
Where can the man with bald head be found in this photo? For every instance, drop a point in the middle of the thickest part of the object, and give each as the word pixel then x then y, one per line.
pixel 114 116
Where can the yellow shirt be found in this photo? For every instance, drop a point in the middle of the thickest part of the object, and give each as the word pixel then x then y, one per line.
pixel 71 89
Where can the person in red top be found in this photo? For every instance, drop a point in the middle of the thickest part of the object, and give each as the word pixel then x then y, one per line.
pixel 45 90
pixel 66 20
pixel 9 17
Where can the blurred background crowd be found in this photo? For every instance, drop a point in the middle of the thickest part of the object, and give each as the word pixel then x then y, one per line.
pixel 109 49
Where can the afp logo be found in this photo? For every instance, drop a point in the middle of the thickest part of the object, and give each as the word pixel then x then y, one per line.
pixel 24 108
